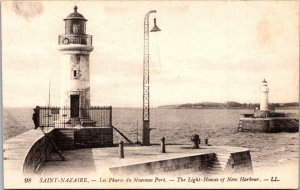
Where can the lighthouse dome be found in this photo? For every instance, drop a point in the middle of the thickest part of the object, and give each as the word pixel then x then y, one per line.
pixel 75 23
pixel 264 86
pixel 75 15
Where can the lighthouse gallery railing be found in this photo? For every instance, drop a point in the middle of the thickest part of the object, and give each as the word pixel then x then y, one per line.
pixel 65 39
pixel 61 117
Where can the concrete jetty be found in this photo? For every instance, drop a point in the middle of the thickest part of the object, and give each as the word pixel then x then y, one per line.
pixel 31 154
pixel 269 124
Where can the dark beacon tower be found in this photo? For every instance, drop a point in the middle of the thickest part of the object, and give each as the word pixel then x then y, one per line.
pixel 75 47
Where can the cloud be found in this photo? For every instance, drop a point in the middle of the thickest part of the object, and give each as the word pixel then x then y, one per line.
pixel 27 9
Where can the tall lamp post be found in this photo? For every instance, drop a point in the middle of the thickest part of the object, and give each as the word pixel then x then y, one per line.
pixel 146 104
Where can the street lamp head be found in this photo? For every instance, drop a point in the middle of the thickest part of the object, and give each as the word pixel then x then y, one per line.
pixel 155 27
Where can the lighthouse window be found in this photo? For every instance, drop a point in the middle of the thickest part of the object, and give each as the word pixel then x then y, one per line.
pixel 76 28
pixel 75 74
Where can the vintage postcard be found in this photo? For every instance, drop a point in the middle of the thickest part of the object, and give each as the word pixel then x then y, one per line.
pixel 150 94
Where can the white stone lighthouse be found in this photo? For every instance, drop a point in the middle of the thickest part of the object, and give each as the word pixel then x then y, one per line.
pixel 75 47
pixel 264 102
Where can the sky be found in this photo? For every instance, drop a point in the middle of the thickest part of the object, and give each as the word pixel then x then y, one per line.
pixel 214 51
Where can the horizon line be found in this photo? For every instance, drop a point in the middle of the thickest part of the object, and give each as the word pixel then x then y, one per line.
pixel 9 106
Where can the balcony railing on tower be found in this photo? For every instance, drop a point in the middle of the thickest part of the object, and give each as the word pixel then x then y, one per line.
pixel 65 39
pixel 61 117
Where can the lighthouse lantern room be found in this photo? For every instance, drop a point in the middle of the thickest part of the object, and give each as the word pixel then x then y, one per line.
pixel 264 101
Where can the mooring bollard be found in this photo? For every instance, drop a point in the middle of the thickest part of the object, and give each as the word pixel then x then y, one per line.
pixel 163 145
pixel 195 140
pixel 121 149
pixel 206 142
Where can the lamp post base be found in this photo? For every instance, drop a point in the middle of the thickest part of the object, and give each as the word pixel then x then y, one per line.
pixel 146 133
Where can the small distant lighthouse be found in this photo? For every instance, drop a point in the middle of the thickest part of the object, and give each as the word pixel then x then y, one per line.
pixel 264 102
pixel 75 47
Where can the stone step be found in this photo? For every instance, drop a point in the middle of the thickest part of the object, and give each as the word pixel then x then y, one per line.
pixel 223 154
pixel 218 154
pixel 223 161
pixel 214 162
pixel 86 119
pixel 66 132
pixel 217 163
pixel 223 157
pixel 87 122
pixel 215 169
pixel 60 137
pixel 212 173
pixel 66 135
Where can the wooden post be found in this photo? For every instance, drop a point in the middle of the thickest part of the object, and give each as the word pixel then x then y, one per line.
pixel 163 145
pixel 121 149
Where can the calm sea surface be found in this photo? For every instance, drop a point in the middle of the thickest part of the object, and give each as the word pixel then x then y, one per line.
pixel 177 126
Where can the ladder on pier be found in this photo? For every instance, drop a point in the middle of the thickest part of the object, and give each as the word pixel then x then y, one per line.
pixel 127 139
pixel 56 149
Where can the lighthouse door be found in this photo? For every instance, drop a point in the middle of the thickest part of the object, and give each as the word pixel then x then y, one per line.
pixel 74 106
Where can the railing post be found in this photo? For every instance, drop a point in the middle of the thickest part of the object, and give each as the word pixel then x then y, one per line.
pixel 110 116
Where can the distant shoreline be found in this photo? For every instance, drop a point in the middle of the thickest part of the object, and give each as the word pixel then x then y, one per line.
pixel 231 105
pixel 197 108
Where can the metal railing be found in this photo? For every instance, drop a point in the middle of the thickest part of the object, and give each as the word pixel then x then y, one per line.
pixel 65 39
pixel 62 117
